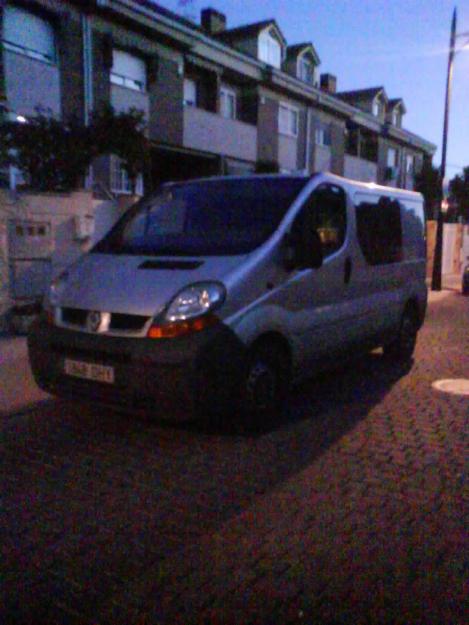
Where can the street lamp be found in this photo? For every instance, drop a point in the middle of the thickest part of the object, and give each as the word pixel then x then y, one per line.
pixel 437 258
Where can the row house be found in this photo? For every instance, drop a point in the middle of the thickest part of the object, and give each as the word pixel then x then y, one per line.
pixel 216 100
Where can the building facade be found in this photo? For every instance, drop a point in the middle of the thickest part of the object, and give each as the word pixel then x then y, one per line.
pixel 216 100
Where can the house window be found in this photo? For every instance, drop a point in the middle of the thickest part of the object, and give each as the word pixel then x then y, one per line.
pixel 396 118
pixel 392 157
pixel 409 164
pixel 307 71
pixel 270 50
pixel 190 92
pixel 32 229
pixel 120 181
pixel 29 34
pixel 128 71
pixel 227 103
pixel 376 108
pixel 288 120
pixel 322 135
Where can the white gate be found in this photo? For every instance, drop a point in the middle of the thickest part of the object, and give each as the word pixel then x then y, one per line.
pixel 30 248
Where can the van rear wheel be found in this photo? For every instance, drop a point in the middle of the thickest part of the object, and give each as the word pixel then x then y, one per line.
pixel 264 385
pixel 402 347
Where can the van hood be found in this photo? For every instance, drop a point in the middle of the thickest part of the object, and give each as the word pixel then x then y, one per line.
pixel 139 285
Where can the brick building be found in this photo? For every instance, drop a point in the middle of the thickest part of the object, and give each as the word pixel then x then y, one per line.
pixel 216 100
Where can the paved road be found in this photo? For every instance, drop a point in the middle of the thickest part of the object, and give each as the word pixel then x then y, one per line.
pixel 349 510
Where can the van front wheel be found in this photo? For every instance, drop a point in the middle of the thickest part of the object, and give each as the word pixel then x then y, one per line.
pixel 402 347
pixel 265 385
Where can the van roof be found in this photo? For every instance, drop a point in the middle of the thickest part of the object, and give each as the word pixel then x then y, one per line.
pixel 326 176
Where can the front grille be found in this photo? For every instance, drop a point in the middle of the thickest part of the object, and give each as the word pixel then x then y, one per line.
pixel 75 316
pixel 132 323
pixel 120 322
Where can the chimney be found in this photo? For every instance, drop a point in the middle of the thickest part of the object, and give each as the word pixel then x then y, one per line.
pixel 213 22
pixel 328 83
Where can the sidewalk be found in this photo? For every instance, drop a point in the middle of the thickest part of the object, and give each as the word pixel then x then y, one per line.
pixel 17 387
pixel 451 283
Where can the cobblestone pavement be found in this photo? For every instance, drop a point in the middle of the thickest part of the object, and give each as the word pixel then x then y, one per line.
pixel 350 509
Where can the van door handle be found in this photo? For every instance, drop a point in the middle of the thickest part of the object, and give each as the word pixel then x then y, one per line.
pixel 347 270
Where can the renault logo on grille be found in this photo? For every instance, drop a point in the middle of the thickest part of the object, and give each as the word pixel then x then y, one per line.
pixel 98 321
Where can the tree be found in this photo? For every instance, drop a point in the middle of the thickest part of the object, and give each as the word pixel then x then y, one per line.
pixel 122 134
pixel 56 155
pixel 428 183
pixel 459 195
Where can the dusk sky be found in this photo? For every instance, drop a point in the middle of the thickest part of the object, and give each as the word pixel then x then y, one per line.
pixel 401 45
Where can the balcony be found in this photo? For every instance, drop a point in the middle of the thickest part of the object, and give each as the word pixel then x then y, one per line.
pixel 210 132
pixel 360 169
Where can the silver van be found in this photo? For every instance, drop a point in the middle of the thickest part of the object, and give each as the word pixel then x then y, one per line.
pixel 213 295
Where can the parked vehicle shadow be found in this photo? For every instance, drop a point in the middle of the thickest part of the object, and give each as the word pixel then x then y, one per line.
pixel 126 492
pixel 350 389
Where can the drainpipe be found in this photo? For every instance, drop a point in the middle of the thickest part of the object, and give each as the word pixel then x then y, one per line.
pixel 87 66
pixel 87 81
pixel 308 141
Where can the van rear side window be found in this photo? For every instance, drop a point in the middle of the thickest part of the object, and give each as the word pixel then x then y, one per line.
pixel 379 229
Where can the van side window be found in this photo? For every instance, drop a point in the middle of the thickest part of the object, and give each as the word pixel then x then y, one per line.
pixel 329 216
pixel 379 229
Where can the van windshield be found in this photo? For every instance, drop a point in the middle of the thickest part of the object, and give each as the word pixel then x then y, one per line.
pixel 206 218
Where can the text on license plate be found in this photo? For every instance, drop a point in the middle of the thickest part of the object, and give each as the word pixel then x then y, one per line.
pixel 89 371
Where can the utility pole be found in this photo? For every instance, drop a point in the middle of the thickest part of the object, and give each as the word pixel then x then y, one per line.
pixel 438 256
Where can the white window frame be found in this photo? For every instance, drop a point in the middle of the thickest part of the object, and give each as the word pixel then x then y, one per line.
pixel 293 113
pixel 123 77
pixel 395 117
pixel 319 136
pixel 409 164
pixel 376 107
pixel 270 49
pixel 39 24
pixel 309 75
pixel 120 182
pixel 225 95
pixel 392 162
pixel 190 92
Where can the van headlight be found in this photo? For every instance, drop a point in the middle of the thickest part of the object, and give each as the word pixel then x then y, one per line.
pixel 191 310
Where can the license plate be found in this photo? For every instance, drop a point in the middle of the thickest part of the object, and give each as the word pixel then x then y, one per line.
pixel 89 371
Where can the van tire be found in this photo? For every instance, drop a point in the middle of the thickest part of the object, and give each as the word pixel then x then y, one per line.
pixel 265 385
pixel 402 347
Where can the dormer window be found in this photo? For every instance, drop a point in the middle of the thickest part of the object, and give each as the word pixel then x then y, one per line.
pixel 396 117
pixel 307 71
pixel 376 108
pixel 270 49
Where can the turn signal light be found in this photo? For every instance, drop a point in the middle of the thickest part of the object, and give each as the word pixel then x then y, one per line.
pixel 181 328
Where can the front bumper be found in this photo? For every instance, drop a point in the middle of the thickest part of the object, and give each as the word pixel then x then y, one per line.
pixel 175 378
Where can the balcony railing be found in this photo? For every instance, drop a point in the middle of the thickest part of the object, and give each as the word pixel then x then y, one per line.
pixel 360 169
pixel 210 132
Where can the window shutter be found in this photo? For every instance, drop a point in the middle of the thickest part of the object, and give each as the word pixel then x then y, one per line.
pixel 29 32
